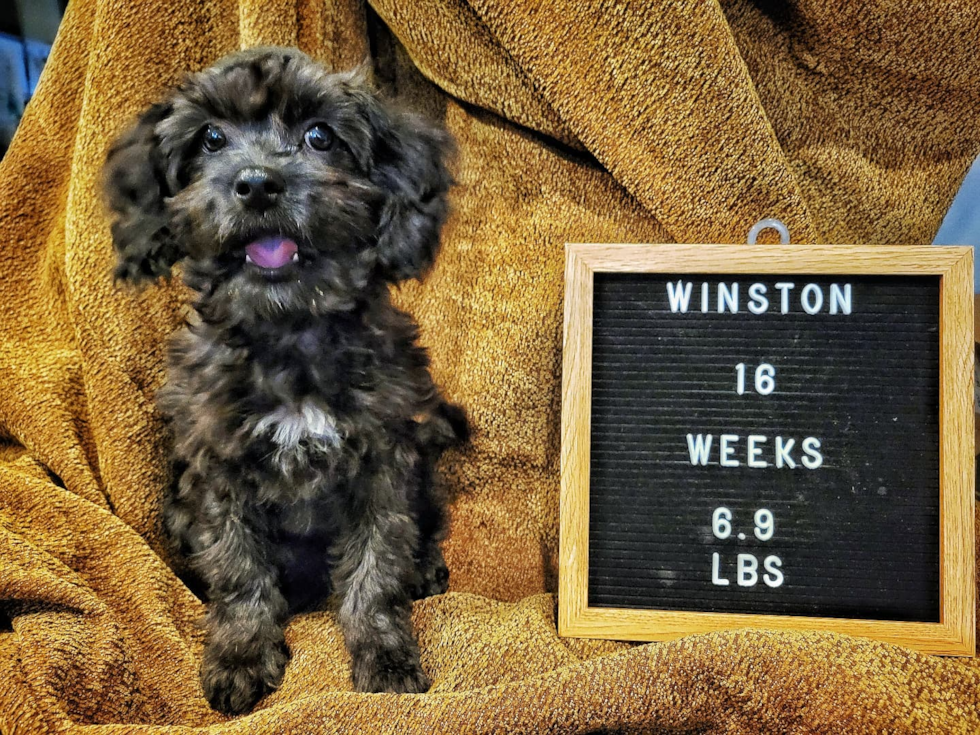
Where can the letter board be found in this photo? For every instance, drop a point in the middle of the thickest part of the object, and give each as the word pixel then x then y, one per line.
pixel 770 437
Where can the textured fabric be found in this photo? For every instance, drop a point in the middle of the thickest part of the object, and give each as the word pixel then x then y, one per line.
pixel 661 121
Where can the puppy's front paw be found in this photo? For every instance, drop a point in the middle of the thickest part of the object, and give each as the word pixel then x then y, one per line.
pixel 396 671
pixel 234 686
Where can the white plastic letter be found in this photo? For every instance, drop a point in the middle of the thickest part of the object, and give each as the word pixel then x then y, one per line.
pixel 783 457
pixel 755 451
pixel 679 296
pixel 811 298
pixel 784 289
pixel 727 451
pixel 716 577
pixel 704 298
pixel 747 574
pixel 774 578
pixel 728 297
pixel 758 302
pixel 699 448
pixel 840 300
pixel 811 447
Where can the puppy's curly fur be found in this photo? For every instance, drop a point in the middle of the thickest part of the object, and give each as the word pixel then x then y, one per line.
pixel 306 425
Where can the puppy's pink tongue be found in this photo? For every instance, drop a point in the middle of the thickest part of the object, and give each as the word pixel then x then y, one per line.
pixel 271 252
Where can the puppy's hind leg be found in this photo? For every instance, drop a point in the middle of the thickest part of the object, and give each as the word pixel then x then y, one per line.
pixel 373 578
pixel 429 506
pixel 446 427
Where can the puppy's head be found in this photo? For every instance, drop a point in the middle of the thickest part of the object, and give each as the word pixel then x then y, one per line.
pixel 282 186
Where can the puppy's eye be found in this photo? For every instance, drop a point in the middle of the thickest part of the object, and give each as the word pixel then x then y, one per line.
pixel 319 137
pixel 213 139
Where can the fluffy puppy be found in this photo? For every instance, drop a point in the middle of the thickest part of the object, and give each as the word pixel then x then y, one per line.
pixel 305 423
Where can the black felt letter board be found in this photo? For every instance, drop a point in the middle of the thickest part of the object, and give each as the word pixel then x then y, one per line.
pixel 817 492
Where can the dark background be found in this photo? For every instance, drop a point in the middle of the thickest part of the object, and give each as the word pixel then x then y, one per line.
pixel 27 30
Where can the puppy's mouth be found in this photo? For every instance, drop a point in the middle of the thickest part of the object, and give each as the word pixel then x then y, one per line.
pixel 272 253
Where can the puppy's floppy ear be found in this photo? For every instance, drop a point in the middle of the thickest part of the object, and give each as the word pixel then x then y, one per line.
pixel 410 166
pixel 135 184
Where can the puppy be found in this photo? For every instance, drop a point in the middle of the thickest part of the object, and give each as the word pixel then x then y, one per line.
pixel 305 423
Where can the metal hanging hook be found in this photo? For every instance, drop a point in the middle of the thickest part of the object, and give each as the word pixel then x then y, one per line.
pixel 769 224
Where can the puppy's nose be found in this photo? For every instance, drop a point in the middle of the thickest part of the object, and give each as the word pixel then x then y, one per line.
pixel 258 187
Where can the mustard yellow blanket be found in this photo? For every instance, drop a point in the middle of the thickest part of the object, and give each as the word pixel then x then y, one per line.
pixel 657 121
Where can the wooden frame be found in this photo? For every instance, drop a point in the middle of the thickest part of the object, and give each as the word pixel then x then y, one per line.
pixel 955 633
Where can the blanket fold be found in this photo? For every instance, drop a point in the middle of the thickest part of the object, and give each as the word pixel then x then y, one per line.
pixel 661 121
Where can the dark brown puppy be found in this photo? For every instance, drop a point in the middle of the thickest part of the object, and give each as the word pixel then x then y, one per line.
pixel 306 425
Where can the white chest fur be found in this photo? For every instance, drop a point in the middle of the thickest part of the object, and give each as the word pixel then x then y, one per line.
pixel 305 426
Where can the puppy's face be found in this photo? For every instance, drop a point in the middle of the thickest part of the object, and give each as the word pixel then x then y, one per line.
pixel 282 186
